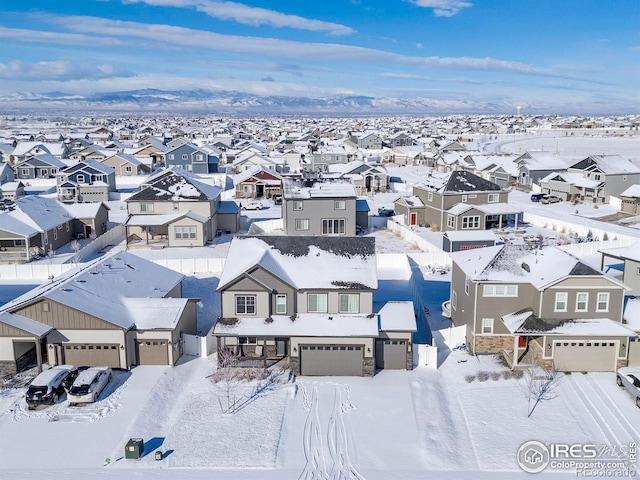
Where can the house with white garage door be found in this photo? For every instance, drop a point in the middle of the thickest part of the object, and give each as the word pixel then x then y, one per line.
pixel 539 302
pixel 119 311
pixel 308 301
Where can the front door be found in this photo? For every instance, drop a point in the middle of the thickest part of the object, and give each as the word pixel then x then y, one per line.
pixel 281 347
pixel 414 218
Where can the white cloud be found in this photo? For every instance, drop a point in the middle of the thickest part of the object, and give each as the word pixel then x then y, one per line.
pixel 58 70
pixel 39 36
pixel 418 45
pixel 443 8
pixel 254 16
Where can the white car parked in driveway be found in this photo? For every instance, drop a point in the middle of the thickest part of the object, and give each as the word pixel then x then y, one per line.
pixel 629 378
pixel 89 385
pixel 254 205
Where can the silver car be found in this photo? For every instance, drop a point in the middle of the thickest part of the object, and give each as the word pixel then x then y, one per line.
pixel 629 378
pixel 89 385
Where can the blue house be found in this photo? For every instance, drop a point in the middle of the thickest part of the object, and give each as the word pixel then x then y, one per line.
pixel 193 159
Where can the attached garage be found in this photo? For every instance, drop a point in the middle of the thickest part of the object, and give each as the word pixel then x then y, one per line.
pixel 152 352
pixel 92 354
pixel 585 356
pixel 332 360
pixel 391 354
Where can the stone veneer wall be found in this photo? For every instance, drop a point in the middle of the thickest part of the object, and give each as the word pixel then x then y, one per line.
pixel 492 344
pixel 7 369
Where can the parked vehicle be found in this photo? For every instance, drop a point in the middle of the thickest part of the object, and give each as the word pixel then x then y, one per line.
pixel 550 199
pixel 536 197
pixel 629 378
pixel 47 387
pixel 386 212
pixel 67 382
pixel 277 199
pixel 89 385
pixel 254 205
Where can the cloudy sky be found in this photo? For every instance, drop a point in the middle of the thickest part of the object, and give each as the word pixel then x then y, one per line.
pixel 557 55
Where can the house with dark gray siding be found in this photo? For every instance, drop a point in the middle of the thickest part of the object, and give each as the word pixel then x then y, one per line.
pixel 192 158
pixel 541 303
pixel 87 181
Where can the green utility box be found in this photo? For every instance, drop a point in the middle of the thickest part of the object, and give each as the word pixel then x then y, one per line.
pixel 134 448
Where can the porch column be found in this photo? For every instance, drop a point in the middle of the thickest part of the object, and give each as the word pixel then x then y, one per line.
pixel 39 354
pixel 516 221
pixel 27 248
pixel 500 221
pixel 515 352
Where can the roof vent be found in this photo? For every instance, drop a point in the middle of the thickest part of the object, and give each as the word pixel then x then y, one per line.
pixel 525 267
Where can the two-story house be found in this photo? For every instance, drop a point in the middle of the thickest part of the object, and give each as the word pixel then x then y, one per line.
pixel 319 207
pixel 87 181
pixel 529 302
pixel 368 140
pixel 309 301
pixel 192 158
pixel 367 178
pixel 176 208
pixel 459 200
pixel 533 166
pixel 44 165
pixel 611 175
pixel 126 164
pixel 257 182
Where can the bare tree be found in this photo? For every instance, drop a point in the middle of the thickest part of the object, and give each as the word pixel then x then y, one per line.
pixel 228 379
pixel 539 385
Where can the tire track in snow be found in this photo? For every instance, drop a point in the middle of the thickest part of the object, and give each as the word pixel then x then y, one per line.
pixel 315 468
pixel 342 468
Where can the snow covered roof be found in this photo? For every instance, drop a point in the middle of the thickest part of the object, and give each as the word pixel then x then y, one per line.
pixel 497 208
pixel 608 164
pixel 525 322
pixel 321 189
pixel 305 262
pixel 632 191
pixel 34 214
pixel 544 161
pixel 457 181
pixel 304 325
pixel 572 178
pixel 175 184
pixel 25 147
pixel 464 235
pixel 398 317
pixel 632 252
pixel 156 313
pixel 85 210
pixel 522 264
pixel 25 324
pixel 127 158
pixel 158 220
pixel 101 287
pixel 255 170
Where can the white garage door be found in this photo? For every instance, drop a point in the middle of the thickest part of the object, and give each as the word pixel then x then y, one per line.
pixel 331 359
pixel 581 356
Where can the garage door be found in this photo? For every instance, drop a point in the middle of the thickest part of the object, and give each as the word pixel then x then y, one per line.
pixel 152 352
pixel 92 354
pixel 391 354
pixel 585 356
pixel 331 359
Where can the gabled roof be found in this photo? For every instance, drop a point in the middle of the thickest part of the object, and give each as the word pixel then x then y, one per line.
pixel 526 322
pixel 25 324
pixel 633 191
pixel 34 214
pixel 336 188
pixel 101 288
pixel 175 184
pixel 25 147
pixel 305 262
pixel 522 264
pixel 44 158
pixel 608 164
pixel 458 181
pixel 89 165
pixel 126 158
pixel 260 171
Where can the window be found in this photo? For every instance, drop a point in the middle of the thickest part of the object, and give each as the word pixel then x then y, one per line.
pixel 603 302
pixel 302 224
pixel 333 226
pixel 281 304
pixel 430 196
pixel 297 204
pixel 245 304
pixel 185 156
pixel 20 243
pixel 248 340
pixel 487 325
pixel 246 188
pixel 44 172
pixel 146 207
pixel 582 301
pixel 45 306
pixel 493 198
pixel 454 300
pixel 500 291
pixel 25 172
pixel 171 157
pixel 199 157
pixel 637 270
pixel 317 302
pixel 451 221
pixel 67 226
pixel 466 285
pixel 128 168
pixel 339 205
pixel 596 177
pixel 80 178
pixel 471 222
pixel 349 303
pixel 184 231
pixel 55 235
pixel 473 195
pixel 561 302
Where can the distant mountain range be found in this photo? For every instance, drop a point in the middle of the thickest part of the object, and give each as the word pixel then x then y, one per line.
pixel 231 102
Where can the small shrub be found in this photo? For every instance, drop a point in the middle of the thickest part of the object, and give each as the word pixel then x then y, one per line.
pixel 507 374
pixel 483 376
pixel 605 236
pixel 435 227
pixel 469 378
pixel 518 374
pixel 495 376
